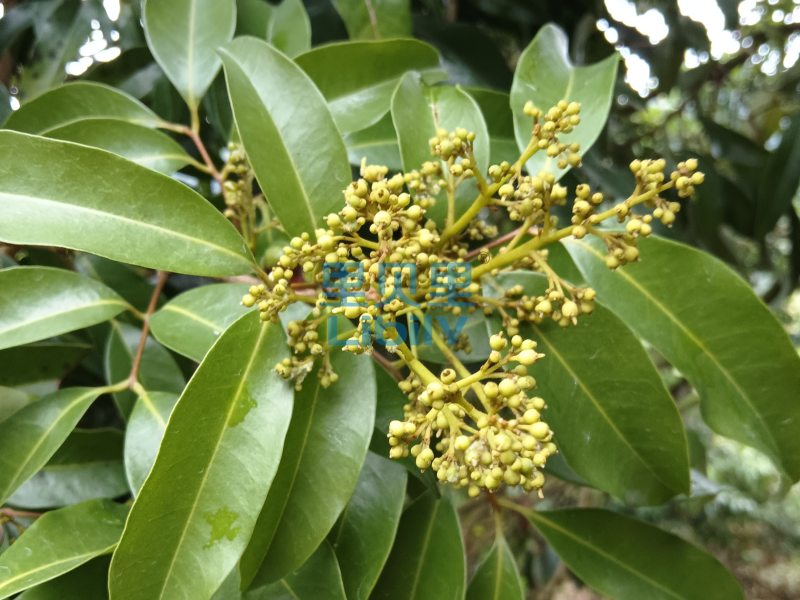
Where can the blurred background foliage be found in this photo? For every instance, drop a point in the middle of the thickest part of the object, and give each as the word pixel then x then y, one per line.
pixel 714 79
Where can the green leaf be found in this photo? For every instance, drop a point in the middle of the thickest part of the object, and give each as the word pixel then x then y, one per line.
pixel 377 143
pixel 183 36
pixel 730 145
pixel 143 435
pixel 60 541
pixel 286 25
pixel 294 147
pixel 126 212
pixel 289 29
pixel 778 181
pixel 190 323
pixel 363 535
pixel 317 579
pixel 158 371
pixel 40 362
pixel 359 78
pixel 427 558
pixel 77 102
pixel 12 400
pixel 58 38
pixel 87 582
pixel 545 74
pixel 627 559
pixel 122 278
pixel 497 577
pixel 88 465
pixel 146 147
pixel 376 19
pixel 474 328
pixel 496 109
pixel 226 433
pixel 417 112
pixel 707 322
pixel 622 434
pixel 41 302
pixel 33 434
pixel 316 478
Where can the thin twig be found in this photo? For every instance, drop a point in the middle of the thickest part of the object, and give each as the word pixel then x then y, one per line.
pixel 499 241
pixel 162 279
pixel 387 364
pixel 19 514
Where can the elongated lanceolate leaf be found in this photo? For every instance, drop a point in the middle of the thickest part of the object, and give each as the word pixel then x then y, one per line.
pixel 40 302
pixel 377 144
pixel 41 362
pixel 497 577
pixel 183 36
pixel 363 535
pixel 143 435
pixel 286 25
pixel 627 559
pixel 88 465
pixel 87 582
pixel 496 109
pixel 376 19
pixel 76 102
pixel 317 579
pixel 316 477
pixel 32 435
pixel 190 323
pixel 60 541
pixel 91 200
pixel 294 147
pixel 418 111
pixel 706 321
pixel 11 400
pixel 358 78
pixel 427 559
pixel 226 434
pixel 545 75
pixel 146 147
pixel 613 418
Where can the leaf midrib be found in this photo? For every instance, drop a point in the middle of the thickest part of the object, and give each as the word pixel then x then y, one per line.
pixel 168 232
pixel 234 402
pixel 536 515
pixel 691 337
pixel 109 301
pixel 424 550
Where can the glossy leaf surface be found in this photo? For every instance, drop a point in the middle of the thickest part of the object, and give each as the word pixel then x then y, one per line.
pixel 613 418
pixel 32 435
pixel 716 332
pixel 317 579
pixel 146 147
pixel 41 302
pixel 183 34
pixel 158 371
pixel 497 577
pixel 286 25
pixel 226 433
pixel 627 559
pixel 87 582
pixel 417 111
pixel 11 400
pixel 427 559
pixel 76 102
pixel 143 435
pixel 60 541
pixel 376 19
pixel 358 78
pixel 363 535
pixel 88 465
pixel 190 323
pixel 545 75
pixel 91 200
pixel 294 147
pixel 40 362
pixel 377 143
pixel 316 477
pixel 123 279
